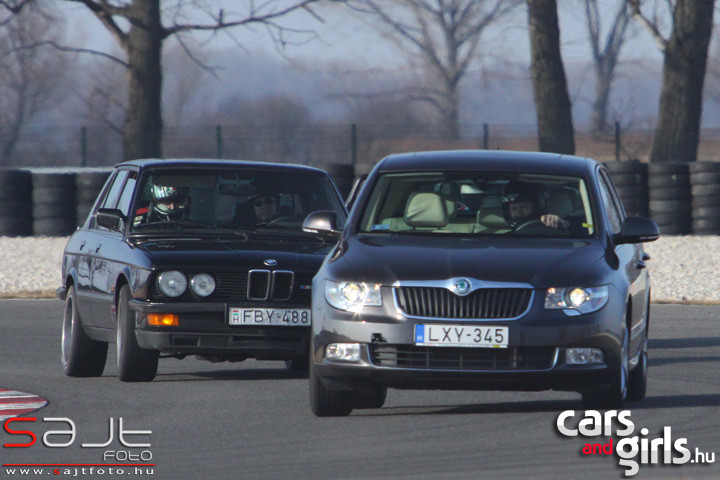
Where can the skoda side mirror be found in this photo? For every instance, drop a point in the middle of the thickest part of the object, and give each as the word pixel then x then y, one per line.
pixel 637 230
pixel 323 222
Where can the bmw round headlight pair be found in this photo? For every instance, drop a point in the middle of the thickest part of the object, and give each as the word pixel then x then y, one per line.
pixel 174 283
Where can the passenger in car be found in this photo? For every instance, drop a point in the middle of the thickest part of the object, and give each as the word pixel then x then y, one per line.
pixel 265 207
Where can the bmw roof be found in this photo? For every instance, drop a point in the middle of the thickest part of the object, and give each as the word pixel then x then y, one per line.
pixel 211 162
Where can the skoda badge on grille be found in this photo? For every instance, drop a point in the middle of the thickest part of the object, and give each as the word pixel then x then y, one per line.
pixel 270 262
pixel 462 286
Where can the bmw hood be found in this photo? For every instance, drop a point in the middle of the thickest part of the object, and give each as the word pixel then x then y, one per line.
pixel 223 254
pixel 541 263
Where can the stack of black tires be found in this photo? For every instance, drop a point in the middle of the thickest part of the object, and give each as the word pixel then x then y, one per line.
pixel 53 196
pixel 631 182
pixel 705 181
pixel 87 188
pixel 15 203
pixel 670 202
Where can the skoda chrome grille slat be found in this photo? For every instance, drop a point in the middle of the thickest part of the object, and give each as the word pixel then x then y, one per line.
pixel 487 303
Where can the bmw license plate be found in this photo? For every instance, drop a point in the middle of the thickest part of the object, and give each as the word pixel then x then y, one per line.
pixel 487 336
pixel 288 317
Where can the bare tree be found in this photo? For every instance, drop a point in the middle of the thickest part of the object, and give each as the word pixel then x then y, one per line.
pixel 552 102
pixel 444 35
pixel 137 26
pixel 605 54
pixel 685 53
pixel 29 78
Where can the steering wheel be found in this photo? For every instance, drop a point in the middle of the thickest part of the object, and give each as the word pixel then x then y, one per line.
pixel 538 226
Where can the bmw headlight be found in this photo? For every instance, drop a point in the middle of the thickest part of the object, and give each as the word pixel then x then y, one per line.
pixel 352 296
pixel 582 300
pixel 172 283
pixel 202 284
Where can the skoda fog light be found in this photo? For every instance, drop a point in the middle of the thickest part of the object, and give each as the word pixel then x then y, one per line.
pixel 348 352
pixel 584 356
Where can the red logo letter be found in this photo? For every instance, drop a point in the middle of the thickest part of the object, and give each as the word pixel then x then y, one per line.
pixel 20 432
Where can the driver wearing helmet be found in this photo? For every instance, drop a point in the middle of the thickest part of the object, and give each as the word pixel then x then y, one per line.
pixel 168 203
pixel 524 202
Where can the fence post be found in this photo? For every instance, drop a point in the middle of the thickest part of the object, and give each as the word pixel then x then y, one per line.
pixel 617 141
pixel 486 136
pixel 83 147
pixel 353 145
pixel 219 141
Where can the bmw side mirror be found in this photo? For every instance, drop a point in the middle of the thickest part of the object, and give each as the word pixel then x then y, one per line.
pixel 637 230
pixel 323 222
pixel 110 218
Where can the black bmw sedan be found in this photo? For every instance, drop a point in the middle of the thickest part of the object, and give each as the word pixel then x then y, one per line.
pixel 195 257
pixel 482 270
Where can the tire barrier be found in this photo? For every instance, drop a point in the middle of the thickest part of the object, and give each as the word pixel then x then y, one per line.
pixel 53 196
pixel 343 175
pixel 87 188
pixel 631 182
pixel 705 192
pixel 670 202
pixel 15 203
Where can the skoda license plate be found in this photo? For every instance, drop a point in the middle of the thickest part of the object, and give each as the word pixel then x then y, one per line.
pixel 289 317
pixel 487 336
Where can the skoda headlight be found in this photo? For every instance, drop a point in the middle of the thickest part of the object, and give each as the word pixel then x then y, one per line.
pixel 580 299
pixel 352 296
pixel 172 283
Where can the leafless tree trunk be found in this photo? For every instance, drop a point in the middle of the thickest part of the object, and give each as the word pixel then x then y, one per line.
pixel 552 102
pixel 444 36
pixel 142 41
pixel 678 130
pixel 605 57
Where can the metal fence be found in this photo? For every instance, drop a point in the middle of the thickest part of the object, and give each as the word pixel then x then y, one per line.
pixel 361 145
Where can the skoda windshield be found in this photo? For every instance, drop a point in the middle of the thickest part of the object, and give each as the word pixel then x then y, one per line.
pixel 479 203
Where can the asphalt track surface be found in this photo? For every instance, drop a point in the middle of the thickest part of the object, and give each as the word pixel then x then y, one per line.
pixel 251 420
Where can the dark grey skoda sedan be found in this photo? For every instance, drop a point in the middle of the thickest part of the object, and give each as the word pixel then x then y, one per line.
pixel 482 270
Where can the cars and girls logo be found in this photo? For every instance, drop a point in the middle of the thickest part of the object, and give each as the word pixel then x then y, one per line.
pixel 631 449
pixel 122 452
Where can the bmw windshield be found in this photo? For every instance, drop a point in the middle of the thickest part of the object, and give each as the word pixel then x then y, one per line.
pixel 230 199
pixel 479 203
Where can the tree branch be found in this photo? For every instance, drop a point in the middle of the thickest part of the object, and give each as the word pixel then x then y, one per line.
pixel 63 48
pixel 254 17
pixel 652 27
pixel 105 12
